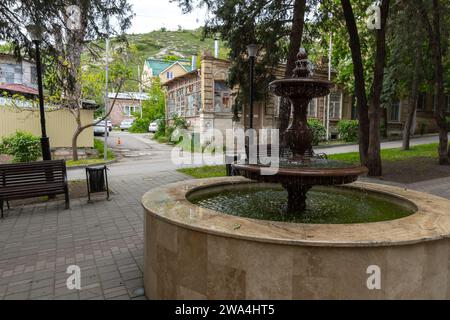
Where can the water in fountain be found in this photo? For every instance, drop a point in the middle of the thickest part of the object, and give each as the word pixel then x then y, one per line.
pixel 299 172
pixel 331 205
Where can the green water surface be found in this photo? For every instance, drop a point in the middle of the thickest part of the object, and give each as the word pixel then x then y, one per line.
pixel 333 205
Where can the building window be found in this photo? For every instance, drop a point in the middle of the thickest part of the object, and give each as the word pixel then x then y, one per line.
pixel 190 105
pixel 422 102
pixel 129 110
pixel 335 105
pixel 312 109
pixel 10 73
pixel 169 75
pixel 394 112
pixel 222 97
pixel 33 75
pixel 180 101
pixel 170 105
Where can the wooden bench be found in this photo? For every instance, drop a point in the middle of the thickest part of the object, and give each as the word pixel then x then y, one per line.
pixel 33 179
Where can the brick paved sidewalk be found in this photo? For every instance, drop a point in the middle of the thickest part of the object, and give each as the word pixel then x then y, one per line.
pixel 38 243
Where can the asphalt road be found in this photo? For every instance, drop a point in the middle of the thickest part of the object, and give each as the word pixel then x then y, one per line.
pixel 137 154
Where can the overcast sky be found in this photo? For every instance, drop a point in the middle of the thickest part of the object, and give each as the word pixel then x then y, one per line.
pixel 155 14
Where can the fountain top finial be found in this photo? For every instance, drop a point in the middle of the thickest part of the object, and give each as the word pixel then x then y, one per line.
pixel 303 67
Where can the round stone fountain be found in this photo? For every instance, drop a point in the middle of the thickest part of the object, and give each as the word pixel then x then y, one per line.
pixel 302 170
pixel 316 237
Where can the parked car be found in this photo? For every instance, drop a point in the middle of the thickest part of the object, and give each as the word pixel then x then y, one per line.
pixel 99 129
pixel 126 124
pixel 153 127
pixel 110 126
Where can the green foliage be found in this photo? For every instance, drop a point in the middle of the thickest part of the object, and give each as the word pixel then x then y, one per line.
pixel 153 109
pixel 23 146
pixel 318 130
pixel 422 128
pixel 100 146
pixel 348 130
pixel 140 126
pixel 171 133
pixel 161 131
pixel 179 122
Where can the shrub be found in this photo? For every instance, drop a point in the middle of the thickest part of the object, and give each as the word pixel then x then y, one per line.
pixel 140 126
pixel 318 131
pixel 161 131
pixel 422 128
pixel 23 146
pixel 348 130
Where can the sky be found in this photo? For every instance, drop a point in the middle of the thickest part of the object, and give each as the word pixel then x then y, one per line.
pixel 155 14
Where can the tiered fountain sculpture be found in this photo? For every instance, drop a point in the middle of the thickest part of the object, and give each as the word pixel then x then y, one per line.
pixel 302 169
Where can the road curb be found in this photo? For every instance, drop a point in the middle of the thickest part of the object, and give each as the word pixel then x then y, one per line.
pixel 82 166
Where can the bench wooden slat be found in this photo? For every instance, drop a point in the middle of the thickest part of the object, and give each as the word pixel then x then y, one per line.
pixel 33 179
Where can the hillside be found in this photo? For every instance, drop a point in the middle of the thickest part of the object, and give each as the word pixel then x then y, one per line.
pixel 183 44
pixel 160 44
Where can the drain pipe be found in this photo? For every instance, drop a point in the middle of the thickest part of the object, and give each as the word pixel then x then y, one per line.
pixel 327 115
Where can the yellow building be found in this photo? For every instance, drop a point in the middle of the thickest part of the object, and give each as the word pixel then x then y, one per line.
pixel 165 70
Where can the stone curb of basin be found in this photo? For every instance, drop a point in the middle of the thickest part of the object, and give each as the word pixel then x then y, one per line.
pixel 430 222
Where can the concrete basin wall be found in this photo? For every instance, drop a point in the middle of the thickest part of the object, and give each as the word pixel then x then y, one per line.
pixel 196 253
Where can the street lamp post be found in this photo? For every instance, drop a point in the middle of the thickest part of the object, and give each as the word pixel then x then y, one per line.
pixel 252 51
pixel 36 37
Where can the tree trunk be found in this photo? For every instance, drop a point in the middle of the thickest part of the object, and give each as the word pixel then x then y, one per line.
pixel 74 144
pixel 412 102
pixel 439 113
pixel 360 86
pixel 374 163
pixel 434 34
pixel 295 41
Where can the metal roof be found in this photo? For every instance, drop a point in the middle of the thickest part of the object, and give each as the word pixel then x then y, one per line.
pixel 158 65
pixel 128 96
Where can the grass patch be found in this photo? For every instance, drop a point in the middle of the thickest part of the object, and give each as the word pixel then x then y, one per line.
pixel 99 145
pixel 205 172
pixel 387 155
pixel 396 154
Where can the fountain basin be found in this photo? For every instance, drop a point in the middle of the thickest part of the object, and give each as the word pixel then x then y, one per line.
pixel 197 253
pixel 302 175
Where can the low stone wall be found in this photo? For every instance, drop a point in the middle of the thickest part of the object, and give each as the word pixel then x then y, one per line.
pixel 196 253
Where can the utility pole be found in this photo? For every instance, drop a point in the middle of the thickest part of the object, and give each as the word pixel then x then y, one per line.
pixel 140 88
pixel 105 152
pixel 330 52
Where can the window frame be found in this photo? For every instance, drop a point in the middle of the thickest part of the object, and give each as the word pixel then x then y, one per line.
pixel 398 106
pixel 331 115
pixel 311 103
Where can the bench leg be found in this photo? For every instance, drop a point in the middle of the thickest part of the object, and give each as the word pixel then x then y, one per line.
pixel 67 199
pixel 1 207
pixel 7 204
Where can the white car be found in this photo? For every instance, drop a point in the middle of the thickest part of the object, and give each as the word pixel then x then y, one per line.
pixel 153 127
pixel 126 124
pixel 99 129
pixel 110 126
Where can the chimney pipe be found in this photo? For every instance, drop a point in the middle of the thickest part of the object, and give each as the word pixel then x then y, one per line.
pixel 194 62
pixel 216 47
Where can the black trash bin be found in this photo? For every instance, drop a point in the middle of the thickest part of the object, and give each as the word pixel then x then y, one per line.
pixel 97 180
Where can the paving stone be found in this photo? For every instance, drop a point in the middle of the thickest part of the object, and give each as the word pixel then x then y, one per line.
pixel 38 242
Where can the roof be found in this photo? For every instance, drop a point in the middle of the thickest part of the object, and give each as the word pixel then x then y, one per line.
pixel 181 77
pixel 18 88
pixel 158 65
pixel 128 96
